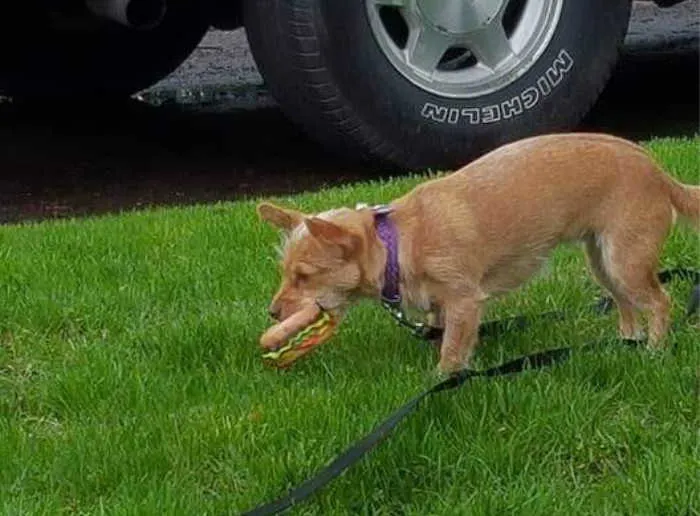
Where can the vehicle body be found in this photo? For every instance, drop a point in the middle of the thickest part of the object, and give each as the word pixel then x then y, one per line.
pixel 414 83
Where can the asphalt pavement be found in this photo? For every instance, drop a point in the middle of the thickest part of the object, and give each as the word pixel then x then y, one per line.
pixel 211 131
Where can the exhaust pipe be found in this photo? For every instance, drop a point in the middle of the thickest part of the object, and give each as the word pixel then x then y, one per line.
pixel 135 14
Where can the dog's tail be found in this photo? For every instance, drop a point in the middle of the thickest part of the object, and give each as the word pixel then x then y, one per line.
pixel 686 201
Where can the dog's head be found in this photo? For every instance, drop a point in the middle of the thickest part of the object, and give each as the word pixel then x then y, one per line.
pixel 322 259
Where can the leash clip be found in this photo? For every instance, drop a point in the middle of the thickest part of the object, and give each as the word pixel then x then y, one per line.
pixel 418 329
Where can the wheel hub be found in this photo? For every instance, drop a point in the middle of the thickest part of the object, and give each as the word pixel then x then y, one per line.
pixel 463 48
pixel 459 17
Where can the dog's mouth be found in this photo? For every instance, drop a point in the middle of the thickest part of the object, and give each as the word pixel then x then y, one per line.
pixel 337 312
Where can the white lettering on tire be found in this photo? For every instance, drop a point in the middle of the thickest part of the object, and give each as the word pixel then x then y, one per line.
pixel 507 109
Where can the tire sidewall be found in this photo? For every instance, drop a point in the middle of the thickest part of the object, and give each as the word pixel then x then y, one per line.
pixel 553 94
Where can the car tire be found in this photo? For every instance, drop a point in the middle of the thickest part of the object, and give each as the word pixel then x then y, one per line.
pixel 322 61
pixel 95 61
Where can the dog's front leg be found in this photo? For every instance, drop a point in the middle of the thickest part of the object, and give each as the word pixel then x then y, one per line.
pixel 461 335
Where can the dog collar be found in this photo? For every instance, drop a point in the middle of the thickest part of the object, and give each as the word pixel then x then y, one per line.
pixel 386 230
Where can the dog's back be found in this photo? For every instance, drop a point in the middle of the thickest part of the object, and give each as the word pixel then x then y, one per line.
pixel 554 187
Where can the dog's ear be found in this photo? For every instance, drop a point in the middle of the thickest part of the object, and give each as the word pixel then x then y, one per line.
pixel 281 218
pixel 333 234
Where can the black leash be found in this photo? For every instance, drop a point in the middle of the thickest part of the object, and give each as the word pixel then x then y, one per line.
pixel 538 360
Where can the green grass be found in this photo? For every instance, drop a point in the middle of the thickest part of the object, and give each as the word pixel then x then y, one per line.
pixel 131 383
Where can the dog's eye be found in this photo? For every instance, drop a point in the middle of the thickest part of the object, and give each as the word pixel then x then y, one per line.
pixel 303 271
pixel 300 278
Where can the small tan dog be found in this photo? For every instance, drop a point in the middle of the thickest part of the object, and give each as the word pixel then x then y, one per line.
pixel 454 242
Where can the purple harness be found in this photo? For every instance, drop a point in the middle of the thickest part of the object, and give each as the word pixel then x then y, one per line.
pixel 386 230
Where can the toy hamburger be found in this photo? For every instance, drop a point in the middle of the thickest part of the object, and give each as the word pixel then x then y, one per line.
pixel 297 335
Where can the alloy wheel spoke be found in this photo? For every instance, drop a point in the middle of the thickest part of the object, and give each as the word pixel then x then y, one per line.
pixel 425 48
pixel 490 45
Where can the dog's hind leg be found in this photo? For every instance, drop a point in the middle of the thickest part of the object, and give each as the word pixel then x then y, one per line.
pixel 630 259
pixel 629 324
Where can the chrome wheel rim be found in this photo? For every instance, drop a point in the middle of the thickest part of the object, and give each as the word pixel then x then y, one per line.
pixel 463 48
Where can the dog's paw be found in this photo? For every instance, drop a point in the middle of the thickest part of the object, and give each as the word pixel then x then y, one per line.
pixel 448 368
pixel 438 374
pixel 656 349
pixel 638 335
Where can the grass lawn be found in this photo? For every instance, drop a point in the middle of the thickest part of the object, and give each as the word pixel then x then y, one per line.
pixel 131 383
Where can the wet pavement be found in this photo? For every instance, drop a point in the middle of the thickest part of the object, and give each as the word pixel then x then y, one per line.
pixel 211 132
